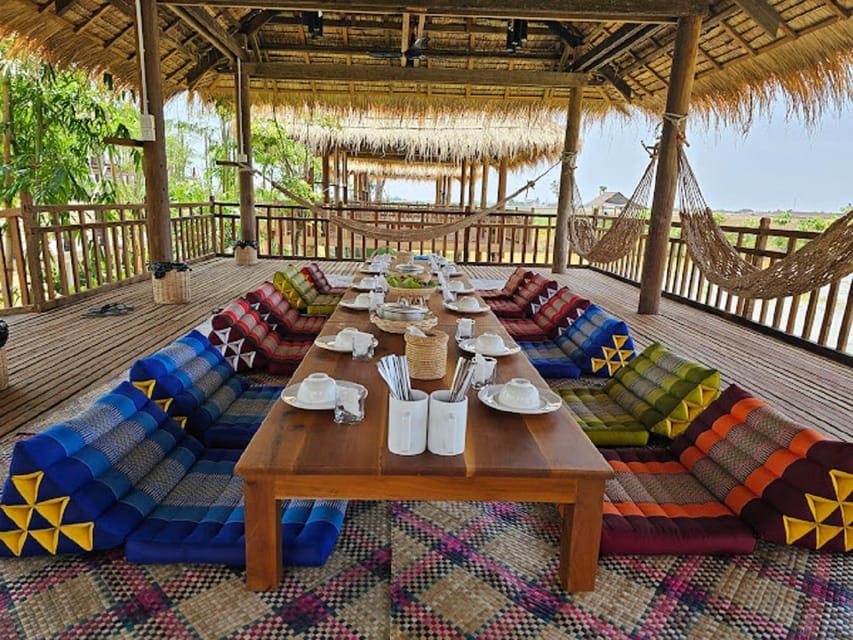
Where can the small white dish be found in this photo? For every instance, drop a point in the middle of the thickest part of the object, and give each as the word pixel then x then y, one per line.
pixel 470 345
pixel 365 284
pixel 548 401
pixel 289 396
pixel 329 343
pixel 454 306
pixel 355 306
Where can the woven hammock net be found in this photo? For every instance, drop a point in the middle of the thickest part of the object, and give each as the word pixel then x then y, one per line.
pixel 407 234
pixel 821 261
pixel 616 242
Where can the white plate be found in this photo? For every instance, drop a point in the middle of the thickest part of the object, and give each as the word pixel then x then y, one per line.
pixel 470 345
pixel 409 269
pixel 372 270
pixel 362 286
pixel 351 304
pixel 454 306
pixel 548 401
pixel 463 291
pixel 328 342
pixel 289 396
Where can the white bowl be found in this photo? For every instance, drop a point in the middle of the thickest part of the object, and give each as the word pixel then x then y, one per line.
pixel 519 393
pixel 367 282
pixel 456 285
pixel 362 299
pixel 317 388
pixel 490 343
pixel 468 304
pixel 344 338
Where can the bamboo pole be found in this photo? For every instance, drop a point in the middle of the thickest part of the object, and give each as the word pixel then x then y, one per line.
pixel 502 173
pixel 484 184
pixel 472 179
pixel 12 235
pixel 325 177
pixel 246 176
pixel 154 151
pixel 677 104
pixel 567 180
pixel 463 177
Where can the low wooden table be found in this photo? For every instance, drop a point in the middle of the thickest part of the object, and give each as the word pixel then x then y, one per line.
pixel 508 457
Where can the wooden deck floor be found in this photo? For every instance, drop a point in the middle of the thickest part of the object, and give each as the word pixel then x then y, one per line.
pixel 55 356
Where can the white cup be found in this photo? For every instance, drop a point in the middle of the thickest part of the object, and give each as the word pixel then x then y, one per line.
pixel 367 283
pixel 407 424
pixel 455 285
pixel 488 342
pixel 464 328
pixel 344 338
pixel 375 298
pixel 317 388
pixel 362 299
pixel 519 393
pixel 468 304
pixel 447 424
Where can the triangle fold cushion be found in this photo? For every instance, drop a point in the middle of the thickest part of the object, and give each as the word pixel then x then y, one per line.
pixel 790 483
pixel 86 483
pixel 597 342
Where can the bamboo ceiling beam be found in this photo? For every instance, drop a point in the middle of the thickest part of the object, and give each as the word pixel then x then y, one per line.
pixel 623 38
pixel 437 53
pixel 423 75
pixel 254 22
pixel 571 10
pixel 61 6
pixel 569 34
pixel 210 30
pixel 763 14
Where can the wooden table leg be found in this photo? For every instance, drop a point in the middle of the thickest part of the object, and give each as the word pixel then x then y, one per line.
pixel 263 535
pixel 580 537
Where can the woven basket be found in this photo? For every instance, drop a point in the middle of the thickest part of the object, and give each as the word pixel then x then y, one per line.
pixel 4 371
pixel 172 288
pixel 245 256
pixel 427 357
pixel 399 326
pixel 401 292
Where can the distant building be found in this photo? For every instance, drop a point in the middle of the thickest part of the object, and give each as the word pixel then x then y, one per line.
pixel 607 202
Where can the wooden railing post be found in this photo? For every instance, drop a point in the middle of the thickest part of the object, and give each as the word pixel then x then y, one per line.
pixel 33 247
pixel 757 259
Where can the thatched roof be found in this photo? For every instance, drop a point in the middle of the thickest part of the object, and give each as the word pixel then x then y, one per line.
pixel 522 139
pixel 383 168
pixel 624 49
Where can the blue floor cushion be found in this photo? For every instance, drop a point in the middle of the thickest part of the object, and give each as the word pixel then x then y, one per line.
pixel 549 360
pixel 597 342
pixel 201 520
pixel 86 483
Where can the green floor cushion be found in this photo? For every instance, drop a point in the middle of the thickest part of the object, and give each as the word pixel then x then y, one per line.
pixel 603 420
pixel 663 390
pixel 597 342
pixel 86 483
pixel 791 484
pixel 323 304
pixel 282 284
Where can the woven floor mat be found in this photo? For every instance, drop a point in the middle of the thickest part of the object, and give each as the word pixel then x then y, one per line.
pixel 489 570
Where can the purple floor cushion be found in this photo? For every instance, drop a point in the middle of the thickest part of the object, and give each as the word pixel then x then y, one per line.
pixel 202 520
pixel 654 506
pixel 86 483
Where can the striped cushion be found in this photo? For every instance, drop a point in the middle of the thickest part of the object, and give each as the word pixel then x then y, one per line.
pixel 558 312
pixel 504 308
pixel 202 520
pixel 283 356
pixel 653 505
pixel 524 330
pixel 663 390
pixel 597 342
pixel 263 292
pixel 790 483
pixel 286 320
pixel 241 336
pixel 531 290
pixel 512 284
pixel 605 422
pixel 293 296
pixel 324 304
pixel 549 360
pixel 321 283
pixel 88 482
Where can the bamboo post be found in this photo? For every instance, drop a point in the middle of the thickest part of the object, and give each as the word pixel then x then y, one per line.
pixel 484 184
pixel 502 173
pixel 565 202
pixel 31 237
pixel 677 104
pixel 472 178
pixel 246 253
pixel 325 177
pixel 11 236
pixel 463 177
pixel 172 286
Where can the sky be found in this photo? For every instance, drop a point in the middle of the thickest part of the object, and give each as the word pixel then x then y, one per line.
pixel 777 165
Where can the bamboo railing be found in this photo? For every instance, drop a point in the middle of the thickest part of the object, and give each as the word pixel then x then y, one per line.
pixel 82 247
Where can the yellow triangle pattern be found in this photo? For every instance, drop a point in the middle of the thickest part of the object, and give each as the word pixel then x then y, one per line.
pixel 181 420
pixel 822 508
pixel 52 510
pixel 146 386
pixel 614 358
pixel 164 403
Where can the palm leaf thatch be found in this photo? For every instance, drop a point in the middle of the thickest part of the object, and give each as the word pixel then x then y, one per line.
pixel 379 168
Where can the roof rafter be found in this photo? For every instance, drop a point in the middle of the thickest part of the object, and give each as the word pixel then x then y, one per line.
pixel 210 30
pixel 764 15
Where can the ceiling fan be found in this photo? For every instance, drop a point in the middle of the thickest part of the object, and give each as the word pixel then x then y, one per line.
pixel 418 51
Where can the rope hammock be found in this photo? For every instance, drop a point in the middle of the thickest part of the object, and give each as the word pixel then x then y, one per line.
pixel 370 230
pixel 619 238
pixel 822 260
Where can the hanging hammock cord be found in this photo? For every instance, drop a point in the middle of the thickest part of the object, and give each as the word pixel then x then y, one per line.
pixel 824 259
pixel 370 230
